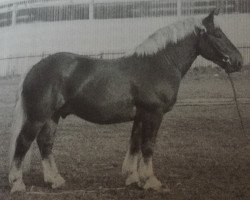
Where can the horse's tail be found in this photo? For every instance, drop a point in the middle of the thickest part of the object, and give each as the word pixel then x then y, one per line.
pixel 19 118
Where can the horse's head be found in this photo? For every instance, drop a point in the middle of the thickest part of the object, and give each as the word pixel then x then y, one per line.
pixel 215 46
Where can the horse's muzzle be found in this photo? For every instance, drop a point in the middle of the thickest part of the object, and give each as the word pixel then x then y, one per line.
pixel 230 68
pixel 233 65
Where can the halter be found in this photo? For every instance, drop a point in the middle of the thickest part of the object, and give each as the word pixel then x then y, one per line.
pixel 225 58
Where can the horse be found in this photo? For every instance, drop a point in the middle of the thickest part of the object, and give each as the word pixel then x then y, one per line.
pixel 141 87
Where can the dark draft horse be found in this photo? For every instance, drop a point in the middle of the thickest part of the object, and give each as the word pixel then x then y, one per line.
pixel 140 87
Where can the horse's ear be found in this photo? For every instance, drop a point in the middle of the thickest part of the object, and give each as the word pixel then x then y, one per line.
pixel 210 17
pixel 216 11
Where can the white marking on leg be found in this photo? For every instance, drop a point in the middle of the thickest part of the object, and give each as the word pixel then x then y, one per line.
pixel 51 174
pixel 153 183
pixel 48 171
pixel 28 158
pixel 130 163
pixel 129 168
pixel 16 179
pixel 145 169
pixel 147 177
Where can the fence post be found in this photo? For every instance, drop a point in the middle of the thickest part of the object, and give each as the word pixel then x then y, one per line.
pixel 226 7
pixel 178 8
pixel 101 55
pixel 43 55
pixel 91 9
pixel 14 10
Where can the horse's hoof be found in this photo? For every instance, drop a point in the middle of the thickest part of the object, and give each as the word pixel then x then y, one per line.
pixel 134 186
pixel 58 182
pixel 164 189
pixel 18 186
pixel 152 183
pixel 132 178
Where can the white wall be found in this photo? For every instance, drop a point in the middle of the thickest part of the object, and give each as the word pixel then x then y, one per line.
pixel 95 36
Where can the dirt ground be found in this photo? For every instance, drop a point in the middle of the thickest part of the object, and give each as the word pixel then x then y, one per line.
pixel 201 152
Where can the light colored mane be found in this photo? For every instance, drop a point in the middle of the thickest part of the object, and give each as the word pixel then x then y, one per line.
pixel 172 33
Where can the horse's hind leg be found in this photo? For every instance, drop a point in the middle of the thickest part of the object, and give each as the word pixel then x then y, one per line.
pixel 129 167
pixel 27 133
pixel 45 141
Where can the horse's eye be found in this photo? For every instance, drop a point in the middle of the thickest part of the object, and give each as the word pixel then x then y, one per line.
pixel 202 31
pixel 217 35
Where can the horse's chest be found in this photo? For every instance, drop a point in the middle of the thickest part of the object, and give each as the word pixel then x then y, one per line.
pixel 158 94
pixel 169 96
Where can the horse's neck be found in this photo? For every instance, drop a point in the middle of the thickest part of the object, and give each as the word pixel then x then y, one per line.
pixel 182 54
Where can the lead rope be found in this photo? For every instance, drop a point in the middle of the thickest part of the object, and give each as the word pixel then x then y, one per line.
pixel 237 104
pixel 246 141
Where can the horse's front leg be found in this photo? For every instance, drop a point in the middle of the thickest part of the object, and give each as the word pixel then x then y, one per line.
pixel 151 122
pixel 130 163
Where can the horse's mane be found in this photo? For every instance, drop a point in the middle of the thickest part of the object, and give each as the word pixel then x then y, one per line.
pixel 172 33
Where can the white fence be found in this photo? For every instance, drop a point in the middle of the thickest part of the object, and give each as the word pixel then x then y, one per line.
pixel 18 65
pixel 28 11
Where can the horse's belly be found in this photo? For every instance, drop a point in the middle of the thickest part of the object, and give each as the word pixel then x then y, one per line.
pixel 105 98
pixel 106 113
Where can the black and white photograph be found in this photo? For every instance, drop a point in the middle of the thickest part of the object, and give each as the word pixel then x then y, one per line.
pixel 125 99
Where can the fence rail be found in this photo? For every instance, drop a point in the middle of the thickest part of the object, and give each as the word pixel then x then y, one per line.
pixel 30 11
pixel 17 65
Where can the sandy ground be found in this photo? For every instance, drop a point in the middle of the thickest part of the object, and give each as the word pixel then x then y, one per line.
pixel 201 152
